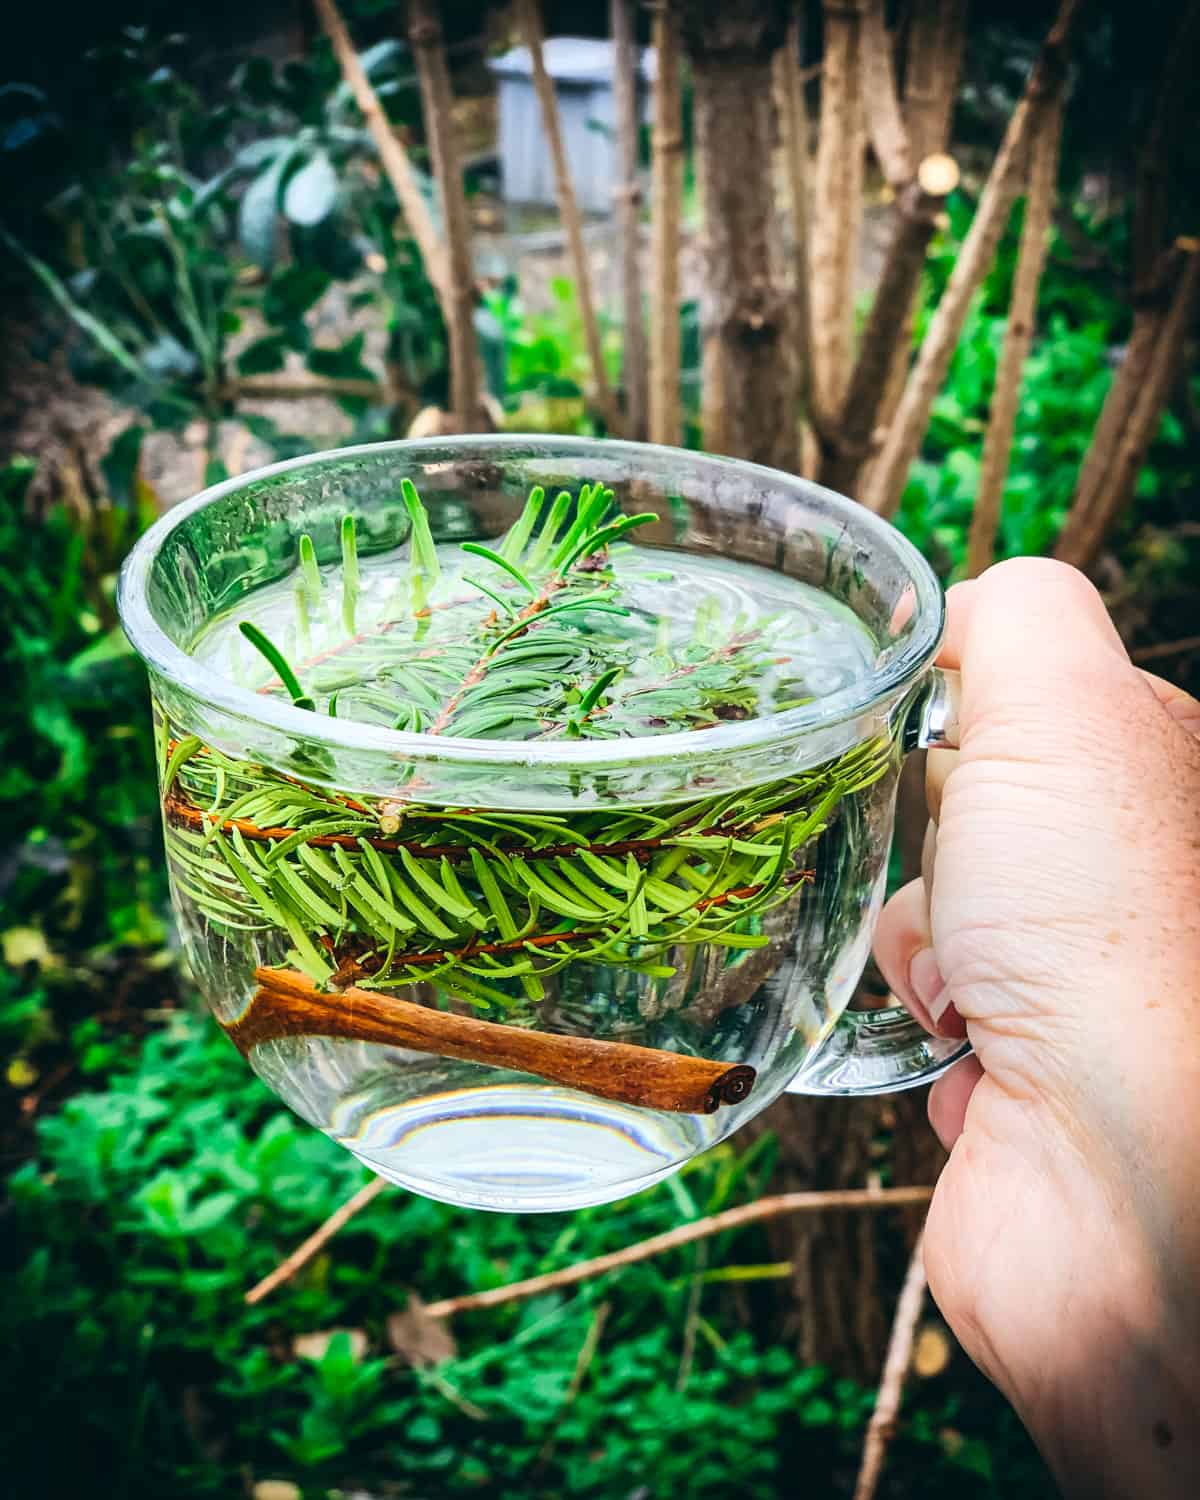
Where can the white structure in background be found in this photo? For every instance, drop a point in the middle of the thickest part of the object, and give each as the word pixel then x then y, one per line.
pixel 582 70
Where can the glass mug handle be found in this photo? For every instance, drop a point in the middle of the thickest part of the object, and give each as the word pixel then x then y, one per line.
pixel 884 1051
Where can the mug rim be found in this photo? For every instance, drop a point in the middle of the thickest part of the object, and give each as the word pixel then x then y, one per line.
pixel 180 669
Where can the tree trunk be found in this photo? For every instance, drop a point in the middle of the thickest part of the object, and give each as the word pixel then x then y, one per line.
pixel 837 205
pixel 1138 402
pixel 425 37
pixel 732 54
pixel 629 218
pixel 392 155
pixel 1018 336
pixel 530 23
pixel 903 441
pixel 935 37
pixel 794 134
pixel 666 193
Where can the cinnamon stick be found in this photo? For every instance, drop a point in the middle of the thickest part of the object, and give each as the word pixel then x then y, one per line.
pixel 287 1003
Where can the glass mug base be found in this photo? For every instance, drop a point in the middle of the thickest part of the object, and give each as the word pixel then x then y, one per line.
pixel 533 974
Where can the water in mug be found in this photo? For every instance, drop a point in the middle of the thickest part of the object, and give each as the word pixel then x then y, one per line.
pixel 765 995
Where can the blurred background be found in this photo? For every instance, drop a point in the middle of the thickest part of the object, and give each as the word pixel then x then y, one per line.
pixel 941 257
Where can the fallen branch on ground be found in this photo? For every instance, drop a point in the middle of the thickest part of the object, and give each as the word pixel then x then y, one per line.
pixel 312 1246
pixel 732 1218
pixel 895 1367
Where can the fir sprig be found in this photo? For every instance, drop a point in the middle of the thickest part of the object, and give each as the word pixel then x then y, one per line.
pixel 516 649
pixel 483 905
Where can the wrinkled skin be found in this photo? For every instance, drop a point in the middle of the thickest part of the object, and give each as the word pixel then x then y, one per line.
pixel 1058 924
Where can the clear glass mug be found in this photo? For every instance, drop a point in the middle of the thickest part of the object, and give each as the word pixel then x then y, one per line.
pixel 626 1063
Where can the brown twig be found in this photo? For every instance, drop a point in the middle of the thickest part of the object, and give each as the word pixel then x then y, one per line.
pixel 424 957
pixel 934 49
pixel 933 61
pixel 1092 517
pixel 684 1234
pixel 1166 648
pixel 299 388
pixel 529 22
pixel 316 1242
pixel 837 205
pixel 885 127
pixel 666 191
pixel 1018 336
pixel 1154 158
pixel 179 811
pixel 845 448
pixel 794 133
pixel 895 1367
pixel 628 209
pixel 903 440
pixel 437 100
pixel 392 155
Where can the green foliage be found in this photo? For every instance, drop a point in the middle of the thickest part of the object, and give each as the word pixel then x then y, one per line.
pixel 192 1182
pixel 141 247
pixel 1066 378
pixel 80 881
pixel 537 363
pixel 484 905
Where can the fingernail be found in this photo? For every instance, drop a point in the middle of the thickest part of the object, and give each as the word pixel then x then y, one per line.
pixel 929 987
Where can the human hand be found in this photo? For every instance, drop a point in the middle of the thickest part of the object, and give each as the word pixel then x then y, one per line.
pixel 1058 923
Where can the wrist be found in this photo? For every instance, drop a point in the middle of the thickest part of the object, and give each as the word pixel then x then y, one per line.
pixel 1121 1417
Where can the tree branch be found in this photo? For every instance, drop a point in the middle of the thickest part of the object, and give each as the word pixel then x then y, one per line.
pixel 1141 402
pixel 1150 191
pixel 845 448
pixel 628 206
pixel 934 60
pixel 685 1234
pixel 392 155
pixel 316 1242
pixel 666 191
pixel 529 22
pixel 903 441
pixel 793 123
pixel 889 138
pixel 882 1425
pixel 437 100
pixel 934 50
pixel 1018 335
pixel 837 205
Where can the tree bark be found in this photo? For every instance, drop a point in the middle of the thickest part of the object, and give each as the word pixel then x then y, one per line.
pixel 628 206
pixel 530 23
pixel 837 204
pixel 731 56
pixel 665 203
pixel 885 128
pixel 392 155
pixel 847 447
pixel 934 44
pixel 1150 192
pixel 794 133
pixel 1018 336
pixel 666 193
pixel 437 99
pixel 934 60
pixel 933 361
pixel 1138 397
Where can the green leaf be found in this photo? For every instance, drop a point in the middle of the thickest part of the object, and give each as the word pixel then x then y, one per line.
pixel 476 549
pixel 311 193
pixel 263 356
